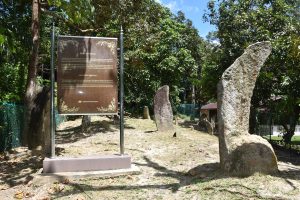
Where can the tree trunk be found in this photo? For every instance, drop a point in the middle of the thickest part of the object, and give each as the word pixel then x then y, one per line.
pixel 32 70
pixel 193 95
pixel 290 131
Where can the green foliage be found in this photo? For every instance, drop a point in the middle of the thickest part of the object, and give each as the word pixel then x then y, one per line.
pixel 14 48
pixel 12 82
pixel 76 11
pixel 243 22
pixel 160 48
pixel 211 72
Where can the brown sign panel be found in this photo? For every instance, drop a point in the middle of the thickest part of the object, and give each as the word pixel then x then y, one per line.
pixel 87 75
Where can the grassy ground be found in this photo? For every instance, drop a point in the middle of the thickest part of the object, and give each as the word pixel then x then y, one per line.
pixel 182 167
pixel 295 139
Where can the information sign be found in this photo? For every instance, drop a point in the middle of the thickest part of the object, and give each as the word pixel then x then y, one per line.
pixel 87 75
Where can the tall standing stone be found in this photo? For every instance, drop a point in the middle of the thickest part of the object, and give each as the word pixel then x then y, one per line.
pixel 163 110
pixel 241 153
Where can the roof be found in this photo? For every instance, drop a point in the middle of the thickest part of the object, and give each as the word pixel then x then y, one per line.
pixel 210 106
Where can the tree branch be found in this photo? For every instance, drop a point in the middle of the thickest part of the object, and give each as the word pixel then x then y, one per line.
pixel 70 24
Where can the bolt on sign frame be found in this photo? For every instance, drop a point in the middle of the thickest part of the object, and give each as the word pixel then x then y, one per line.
pixel 87 82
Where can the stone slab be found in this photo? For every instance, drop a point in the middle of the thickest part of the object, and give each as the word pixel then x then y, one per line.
pixel 82 164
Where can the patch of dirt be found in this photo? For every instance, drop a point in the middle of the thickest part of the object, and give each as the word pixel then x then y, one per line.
pixel 182 167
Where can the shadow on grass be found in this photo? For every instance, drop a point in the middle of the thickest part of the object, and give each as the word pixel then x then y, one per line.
pixel 200 174
pixel 286 155
pixel 188 124
pixel 13 172
pixel 287 158
pixel 209 170
pixel 193 125
pixel 75 134
pixel 150 131
pixel 19 171
pixel 127 126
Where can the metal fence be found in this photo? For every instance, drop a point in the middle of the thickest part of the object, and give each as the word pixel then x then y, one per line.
pixel 190 110
pixel 11 125
pixel 12 119
pixel 268 124
pixel 263 123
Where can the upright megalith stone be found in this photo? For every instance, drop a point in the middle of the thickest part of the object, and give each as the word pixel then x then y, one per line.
pixel 162 110
pixel 241 153
pixel 146 114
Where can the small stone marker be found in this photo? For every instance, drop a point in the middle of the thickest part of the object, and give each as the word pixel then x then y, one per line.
pixel 210 126
pixel 241 153
pixel 163 110
pixel 146 114
pixel 85 123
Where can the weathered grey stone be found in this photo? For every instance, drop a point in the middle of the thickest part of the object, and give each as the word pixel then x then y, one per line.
pixel 210 126
pixel 39 126
pixel 205 125
pixel 162 110
pixel 85 123
pixel 146 114
pixel 241 153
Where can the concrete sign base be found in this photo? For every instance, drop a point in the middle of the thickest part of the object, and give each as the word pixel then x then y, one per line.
pixel 83 164
pixel 43 178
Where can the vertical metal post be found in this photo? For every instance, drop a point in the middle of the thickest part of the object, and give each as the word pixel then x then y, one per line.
pixel 121 94
pixel 52 114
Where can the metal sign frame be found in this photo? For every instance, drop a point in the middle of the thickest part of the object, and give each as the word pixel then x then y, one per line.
pixel 121 96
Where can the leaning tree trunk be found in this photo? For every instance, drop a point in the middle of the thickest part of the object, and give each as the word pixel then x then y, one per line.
pixel 32 70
